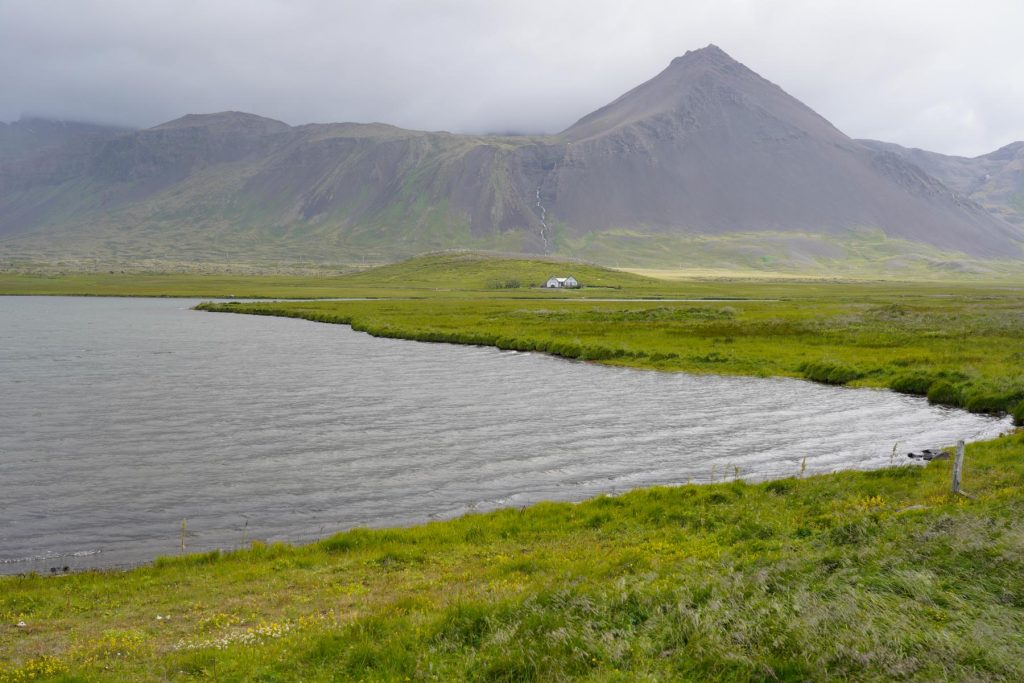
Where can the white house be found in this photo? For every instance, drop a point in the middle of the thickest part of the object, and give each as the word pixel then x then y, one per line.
pixel 562 282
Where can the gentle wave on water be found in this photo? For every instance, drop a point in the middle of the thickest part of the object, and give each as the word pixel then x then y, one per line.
pixel 121 417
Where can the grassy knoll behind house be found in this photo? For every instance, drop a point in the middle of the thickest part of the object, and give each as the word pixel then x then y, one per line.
pixel 856 576
pixel 469 271
pixel 960 345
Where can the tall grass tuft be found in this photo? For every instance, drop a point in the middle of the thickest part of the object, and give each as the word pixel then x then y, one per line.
pixel 945 393
pixel 830 373
pixel 917 385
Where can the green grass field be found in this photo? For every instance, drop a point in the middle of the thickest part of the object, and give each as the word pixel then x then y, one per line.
pixel 480 275
pixel 879 575
pixel 168 285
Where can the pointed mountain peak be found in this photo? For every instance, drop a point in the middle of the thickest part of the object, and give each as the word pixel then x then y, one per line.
pixel 701 84
pixel 710 54
pixel 708 60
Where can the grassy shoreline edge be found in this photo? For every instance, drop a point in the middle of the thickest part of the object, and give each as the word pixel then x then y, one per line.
pixel 943 386
pixel 863 575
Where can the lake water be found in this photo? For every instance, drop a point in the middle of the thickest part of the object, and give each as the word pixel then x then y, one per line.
pixel 121 417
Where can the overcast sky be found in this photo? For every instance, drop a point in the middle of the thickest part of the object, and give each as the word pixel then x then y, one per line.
pixel 939 74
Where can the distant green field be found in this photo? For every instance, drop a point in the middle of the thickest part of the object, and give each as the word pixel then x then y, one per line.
pixel 176 285
pixel 471 275
pixel 445 274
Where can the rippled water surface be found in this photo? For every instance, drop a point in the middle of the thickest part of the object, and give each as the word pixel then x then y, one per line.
pixel 121 417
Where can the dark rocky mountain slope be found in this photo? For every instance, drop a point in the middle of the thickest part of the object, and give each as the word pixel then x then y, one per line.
pixel 706 150
pixel 994 180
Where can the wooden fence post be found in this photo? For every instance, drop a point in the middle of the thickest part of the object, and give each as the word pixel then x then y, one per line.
pixel 958 467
